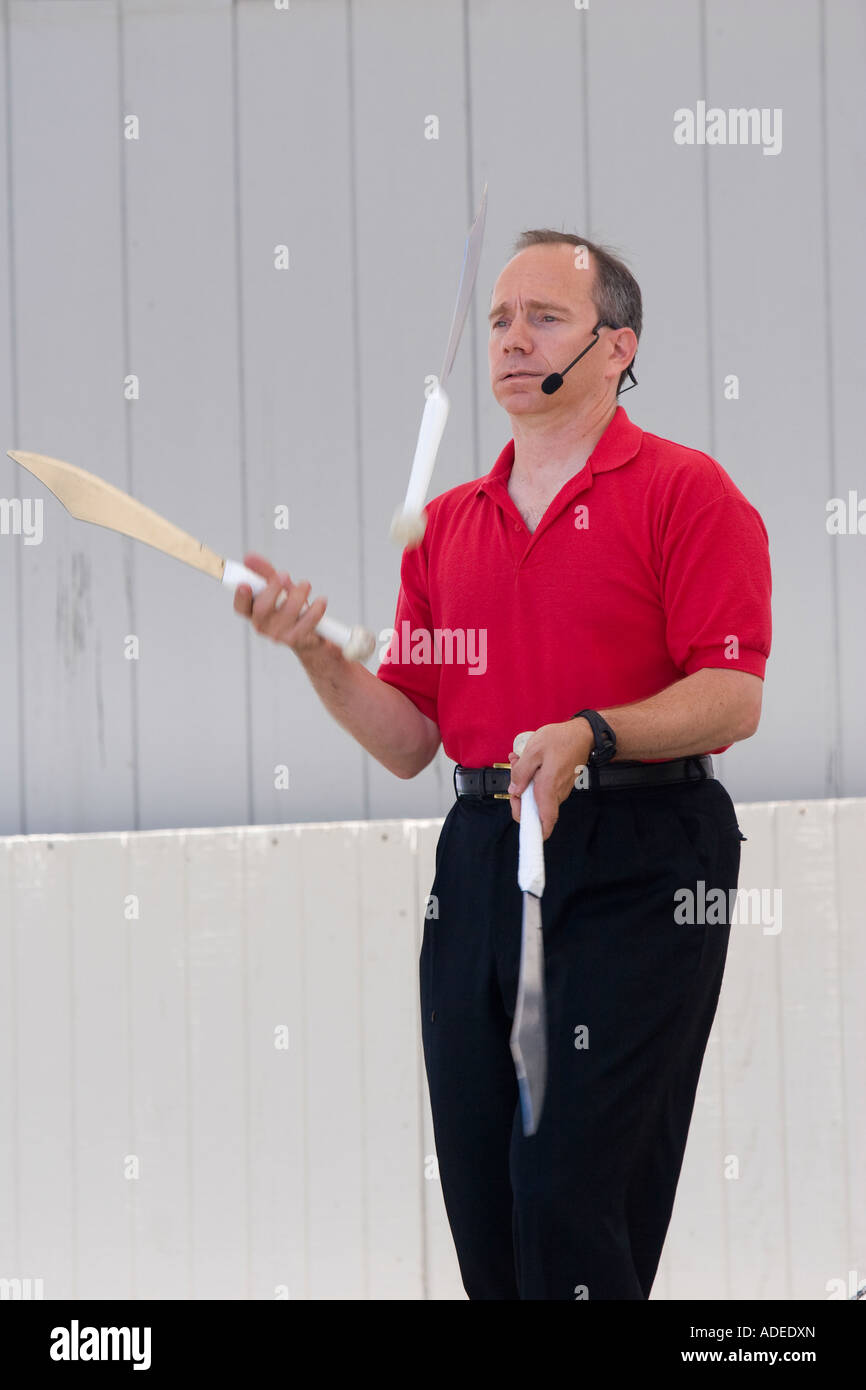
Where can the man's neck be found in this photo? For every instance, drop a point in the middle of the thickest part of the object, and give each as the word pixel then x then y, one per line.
pixel 553 449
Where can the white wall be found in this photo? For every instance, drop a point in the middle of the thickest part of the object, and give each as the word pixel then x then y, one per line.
pixel 151 1039
pixel 305 387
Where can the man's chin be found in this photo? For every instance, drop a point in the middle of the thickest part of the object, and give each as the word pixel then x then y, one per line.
pixel 518 400
pixel 522 402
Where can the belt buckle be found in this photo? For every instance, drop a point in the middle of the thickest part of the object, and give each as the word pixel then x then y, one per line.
pixel 501 796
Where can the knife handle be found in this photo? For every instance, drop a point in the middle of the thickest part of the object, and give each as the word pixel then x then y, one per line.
pixel 409 522
pixel 356 643
pixel 530 853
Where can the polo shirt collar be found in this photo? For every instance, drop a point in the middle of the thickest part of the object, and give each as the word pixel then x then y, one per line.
pixel 619 444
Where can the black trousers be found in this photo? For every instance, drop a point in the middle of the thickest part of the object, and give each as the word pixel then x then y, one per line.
pixel 580 1209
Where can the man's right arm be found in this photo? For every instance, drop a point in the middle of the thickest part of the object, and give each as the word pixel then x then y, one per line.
pixel 377 715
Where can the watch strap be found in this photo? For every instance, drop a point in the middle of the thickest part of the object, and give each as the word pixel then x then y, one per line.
pixel 605 738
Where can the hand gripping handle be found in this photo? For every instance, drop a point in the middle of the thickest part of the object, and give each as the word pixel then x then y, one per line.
pixel 356 642
pixel 530 862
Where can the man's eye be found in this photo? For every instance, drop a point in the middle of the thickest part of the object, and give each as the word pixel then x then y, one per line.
pixel 554 318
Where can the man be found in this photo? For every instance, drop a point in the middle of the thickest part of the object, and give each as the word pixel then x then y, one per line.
pixel 625 580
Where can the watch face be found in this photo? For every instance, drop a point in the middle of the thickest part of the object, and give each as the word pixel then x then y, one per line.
pixel 607 750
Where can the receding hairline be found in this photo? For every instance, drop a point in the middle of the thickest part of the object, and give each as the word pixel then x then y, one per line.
pixel 546 246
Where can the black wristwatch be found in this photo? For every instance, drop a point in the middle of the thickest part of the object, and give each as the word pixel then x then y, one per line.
pixel 605 738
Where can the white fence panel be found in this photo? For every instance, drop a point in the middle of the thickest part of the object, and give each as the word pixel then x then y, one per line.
pixel 212 1082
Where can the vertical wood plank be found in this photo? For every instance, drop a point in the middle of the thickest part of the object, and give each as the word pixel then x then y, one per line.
pixel 11 547
pixel 179 182
pixel 299 389
pixel 10 1154
pixel 161 1094
pixel 277 1000
pixel 218 1063
pixel 695 1249
pixel 850 819
pixel 337 1215
pixel 754 1103
pixel 769 302
pixel 811 1045
pixel 65 219
pixel 413 206
pixel 391 1094
pixel 104 1151
pixel 843 203
pixel 48 1230
pixel 668 254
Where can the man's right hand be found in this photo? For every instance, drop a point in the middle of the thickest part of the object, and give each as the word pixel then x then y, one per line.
pixel 380 717
pixel 282 619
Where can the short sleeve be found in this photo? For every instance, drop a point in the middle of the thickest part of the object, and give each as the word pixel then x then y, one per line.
pixel 716 588
pixel 406 662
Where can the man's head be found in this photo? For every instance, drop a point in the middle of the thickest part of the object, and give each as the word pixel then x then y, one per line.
pixel 545 307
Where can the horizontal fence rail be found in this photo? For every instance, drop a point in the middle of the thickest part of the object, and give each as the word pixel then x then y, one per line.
pixel 212 1086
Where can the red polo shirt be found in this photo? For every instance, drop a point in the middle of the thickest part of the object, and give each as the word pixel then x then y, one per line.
pixel 648 565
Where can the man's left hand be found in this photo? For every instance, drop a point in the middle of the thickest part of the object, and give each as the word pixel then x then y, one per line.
pixel 551 761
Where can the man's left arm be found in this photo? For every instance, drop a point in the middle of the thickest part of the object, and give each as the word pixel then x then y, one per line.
pixel 715 585
pixel 709 709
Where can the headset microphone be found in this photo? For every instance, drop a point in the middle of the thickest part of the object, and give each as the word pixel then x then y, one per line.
pixel 554 381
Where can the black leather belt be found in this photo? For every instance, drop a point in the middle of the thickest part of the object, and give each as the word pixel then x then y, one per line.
pixel 493 781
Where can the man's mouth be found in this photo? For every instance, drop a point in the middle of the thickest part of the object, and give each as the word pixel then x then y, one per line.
pixel 509 375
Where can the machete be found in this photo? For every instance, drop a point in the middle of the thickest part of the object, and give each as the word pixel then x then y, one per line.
pixel 410 522
pixel 528 1039
pixel 89 498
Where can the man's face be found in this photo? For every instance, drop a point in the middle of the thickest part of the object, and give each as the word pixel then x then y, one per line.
pixel 542 316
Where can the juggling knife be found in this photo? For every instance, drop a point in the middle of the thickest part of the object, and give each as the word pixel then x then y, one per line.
pixel 528 1039
pixel 409 522
pixel 89 498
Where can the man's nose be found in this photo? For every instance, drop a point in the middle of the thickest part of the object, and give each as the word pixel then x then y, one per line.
pixel 517 335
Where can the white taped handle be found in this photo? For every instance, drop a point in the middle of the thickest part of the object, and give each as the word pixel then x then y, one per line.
pixel 409 523
pixel 530 860
pixel 433 421
pixel 356 642
pixel 235 573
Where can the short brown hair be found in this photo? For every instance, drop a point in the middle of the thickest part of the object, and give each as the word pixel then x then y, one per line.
pixel 615 292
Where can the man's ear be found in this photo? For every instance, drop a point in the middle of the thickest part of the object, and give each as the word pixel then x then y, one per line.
pixel 625 343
